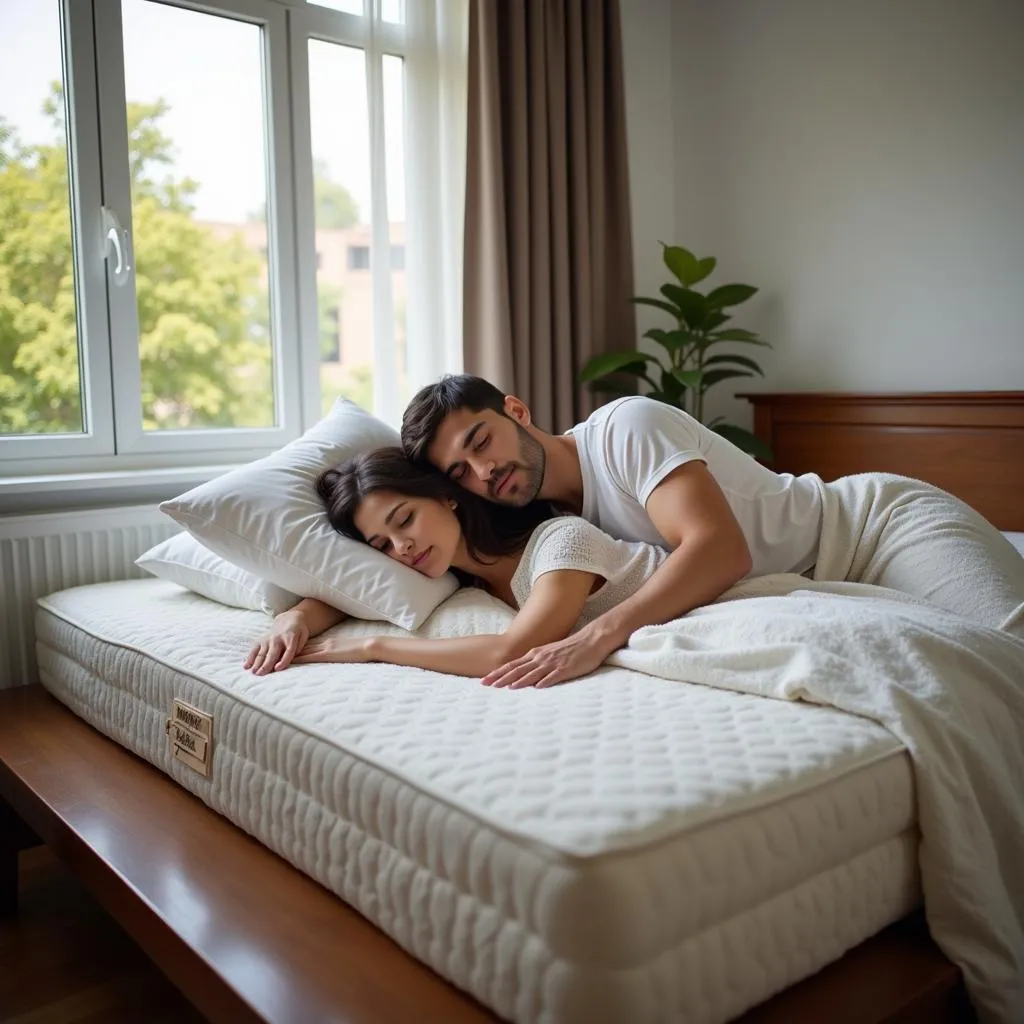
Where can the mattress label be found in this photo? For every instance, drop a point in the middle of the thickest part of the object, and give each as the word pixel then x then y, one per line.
pixel 190 733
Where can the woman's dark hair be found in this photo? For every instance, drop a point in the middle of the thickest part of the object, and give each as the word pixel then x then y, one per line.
pixel 489 530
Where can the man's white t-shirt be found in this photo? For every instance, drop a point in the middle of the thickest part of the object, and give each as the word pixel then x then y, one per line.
pixel 626 448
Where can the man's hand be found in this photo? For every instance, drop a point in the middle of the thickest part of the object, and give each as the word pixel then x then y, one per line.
pixel 556 662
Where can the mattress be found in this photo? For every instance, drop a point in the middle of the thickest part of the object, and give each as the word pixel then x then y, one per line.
pixel 621 848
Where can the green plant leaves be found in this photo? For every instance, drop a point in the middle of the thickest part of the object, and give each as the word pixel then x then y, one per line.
pixel 685 266
pixel 671 386
pixel 670 340
pixel 680 261
pixel 704 269
pixel 738 360
pixel 738 334
pixel 745 440
pixel 616 362
pixel 699 323
pixel 610 386
pixel 642 300
pixel 730 295
pixel 689 378
pixel 712 377
pixel 692 306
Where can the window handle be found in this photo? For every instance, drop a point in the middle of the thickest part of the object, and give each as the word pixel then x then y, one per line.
pixel 116 237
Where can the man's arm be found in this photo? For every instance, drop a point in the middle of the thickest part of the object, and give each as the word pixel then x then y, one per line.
pixel 709 555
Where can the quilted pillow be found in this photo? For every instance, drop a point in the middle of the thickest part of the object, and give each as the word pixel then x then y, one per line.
pixel 266 518
pixel 183 560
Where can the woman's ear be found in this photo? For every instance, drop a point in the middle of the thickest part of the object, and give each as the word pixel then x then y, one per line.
pixel 518 410
pixel 453 504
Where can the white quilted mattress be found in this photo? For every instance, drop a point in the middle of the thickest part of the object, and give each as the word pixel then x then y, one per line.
pixel 621 848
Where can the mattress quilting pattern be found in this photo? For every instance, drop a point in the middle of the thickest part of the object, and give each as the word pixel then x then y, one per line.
pixel 614 842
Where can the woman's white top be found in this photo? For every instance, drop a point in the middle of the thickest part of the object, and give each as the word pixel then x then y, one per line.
pixel 569 542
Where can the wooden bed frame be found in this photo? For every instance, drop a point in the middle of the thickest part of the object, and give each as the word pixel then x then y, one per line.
pixel 246 937
pixel 970 443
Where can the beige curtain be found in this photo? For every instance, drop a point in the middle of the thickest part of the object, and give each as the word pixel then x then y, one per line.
pixel 548 254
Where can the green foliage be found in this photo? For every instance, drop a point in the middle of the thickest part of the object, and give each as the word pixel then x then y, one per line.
pixel 204 341
pixel 688 368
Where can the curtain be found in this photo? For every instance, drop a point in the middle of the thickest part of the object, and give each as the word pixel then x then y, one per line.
pixel 548 252
pixel 435 124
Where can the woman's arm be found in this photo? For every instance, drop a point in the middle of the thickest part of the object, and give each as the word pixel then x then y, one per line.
pixel 289 634
pixel 550 612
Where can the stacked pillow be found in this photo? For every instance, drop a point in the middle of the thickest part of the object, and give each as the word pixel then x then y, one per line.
pixel 267 523
pixel 183 560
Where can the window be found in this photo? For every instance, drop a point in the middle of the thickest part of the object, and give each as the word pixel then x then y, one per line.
pixel 199 146
pixel 41 351
pixel 358 257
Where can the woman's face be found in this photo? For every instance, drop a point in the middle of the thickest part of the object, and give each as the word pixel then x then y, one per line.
pixel 422 533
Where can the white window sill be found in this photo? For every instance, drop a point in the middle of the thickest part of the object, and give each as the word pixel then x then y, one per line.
pixel 60 491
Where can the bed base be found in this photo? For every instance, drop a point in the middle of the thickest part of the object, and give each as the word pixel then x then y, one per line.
pixel 248 938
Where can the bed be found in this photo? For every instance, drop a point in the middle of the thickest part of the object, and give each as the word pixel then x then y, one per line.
pixel 610 880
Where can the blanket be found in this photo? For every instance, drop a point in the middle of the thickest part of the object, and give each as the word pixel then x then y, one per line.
pixel 952 691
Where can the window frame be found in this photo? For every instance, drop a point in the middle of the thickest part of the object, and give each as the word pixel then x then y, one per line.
pixel 114 456
pixel 307 21
pixel 124 333
pixel 113 440
pixel 78 73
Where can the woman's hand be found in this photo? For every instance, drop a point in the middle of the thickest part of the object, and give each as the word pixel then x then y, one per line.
pixel 276 649
pixel 337 648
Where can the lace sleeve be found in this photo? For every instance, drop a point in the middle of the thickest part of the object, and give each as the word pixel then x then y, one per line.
pixel 568 542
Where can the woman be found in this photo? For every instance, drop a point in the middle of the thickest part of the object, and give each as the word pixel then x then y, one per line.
pixel 559 571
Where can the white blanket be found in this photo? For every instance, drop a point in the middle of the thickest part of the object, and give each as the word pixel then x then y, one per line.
pixel 951 691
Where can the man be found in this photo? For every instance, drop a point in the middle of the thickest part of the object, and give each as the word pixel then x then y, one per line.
pixel 642 470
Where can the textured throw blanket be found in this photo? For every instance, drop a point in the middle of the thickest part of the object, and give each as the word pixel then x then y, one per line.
pixel 950 690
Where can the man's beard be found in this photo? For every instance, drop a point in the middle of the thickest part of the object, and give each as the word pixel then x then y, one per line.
pixel 532 460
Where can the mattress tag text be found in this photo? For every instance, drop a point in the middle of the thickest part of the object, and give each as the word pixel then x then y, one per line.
pixel 190 733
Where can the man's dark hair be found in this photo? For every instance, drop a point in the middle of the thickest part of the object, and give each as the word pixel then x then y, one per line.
pixel 429 406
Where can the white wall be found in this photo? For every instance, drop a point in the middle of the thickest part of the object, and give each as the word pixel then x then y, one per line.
pixel 650 128
pixel 863 164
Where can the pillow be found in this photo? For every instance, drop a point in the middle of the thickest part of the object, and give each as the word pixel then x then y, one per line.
pixel 266 518
pixel 183 560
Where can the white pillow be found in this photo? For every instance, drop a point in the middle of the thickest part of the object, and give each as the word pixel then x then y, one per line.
pixel 183 560
pixel 267 518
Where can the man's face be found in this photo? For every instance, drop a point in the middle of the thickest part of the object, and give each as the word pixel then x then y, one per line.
pixel 490 455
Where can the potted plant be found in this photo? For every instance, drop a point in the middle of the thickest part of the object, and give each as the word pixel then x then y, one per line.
pixel 693 362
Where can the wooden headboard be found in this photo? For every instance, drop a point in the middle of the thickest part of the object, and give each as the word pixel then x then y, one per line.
pixel 970 443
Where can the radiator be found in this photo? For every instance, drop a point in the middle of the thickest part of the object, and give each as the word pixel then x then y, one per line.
pixel 52 551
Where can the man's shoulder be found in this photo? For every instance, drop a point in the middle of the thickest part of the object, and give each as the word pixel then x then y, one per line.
pixel 633 412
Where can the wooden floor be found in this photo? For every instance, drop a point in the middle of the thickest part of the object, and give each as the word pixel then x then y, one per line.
pixel 64 960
